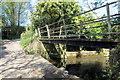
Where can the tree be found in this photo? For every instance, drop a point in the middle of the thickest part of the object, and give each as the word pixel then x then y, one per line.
pixel 8 11
pixel 13 13
pixel 50 12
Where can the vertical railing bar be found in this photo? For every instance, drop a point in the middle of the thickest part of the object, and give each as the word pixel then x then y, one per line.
pixel 60 32
pixel 36 32
pixel 48 31
pixel 108 19
pixel 39 32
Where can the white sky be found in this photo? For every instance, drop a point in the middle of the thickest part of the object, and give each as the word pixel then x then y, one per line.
pixel 101 11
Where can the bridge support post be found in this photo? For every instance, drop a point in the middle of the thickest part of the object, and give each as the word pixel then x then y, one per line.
pixel 48 32
pixel 60 32
pixel 61 49
pixel 36 32
pixel 39 32
pixel 108 19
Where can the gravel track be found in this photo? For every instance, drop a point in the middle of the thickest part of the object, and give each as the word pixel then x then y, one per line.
pixel 14 63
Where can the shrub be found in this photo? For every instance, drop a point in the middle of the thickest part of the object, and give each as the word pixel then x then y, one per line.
pixel 26 38
pixel 30 52
pixel 25 42
pixel 27 34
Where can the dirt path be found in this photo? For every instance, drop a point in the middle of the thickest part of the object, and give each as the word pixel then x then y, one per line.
pixel 15 63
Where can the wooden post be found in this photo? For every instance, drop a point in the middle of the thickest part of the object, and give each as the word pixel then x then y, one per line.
pixel 60 31
pixel 39 32
pixel 48 32
pixel 65 28
pixel 36 33
pixel 108 19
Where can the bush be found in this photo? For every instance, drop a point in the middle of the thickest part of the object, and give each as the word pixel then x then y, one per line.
pixel 26 38
pixel 12 33
pixel 30 52
pixel 27 34
pixel 25 42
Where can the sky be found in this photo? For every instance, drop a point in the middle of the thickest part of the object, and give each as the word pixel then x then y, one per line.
pixel 100 12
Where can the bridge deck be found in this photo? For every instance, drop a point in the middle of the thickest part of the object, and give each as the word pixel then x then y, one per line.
pixel 99 43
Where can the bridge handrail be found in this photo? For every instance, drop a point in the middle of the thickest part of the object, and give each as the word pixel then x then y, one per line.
pixel 91 34
pixel 83 13
pixel 90 21
pixel 101 20
pixel 51 24
pixel 64 27
pixel 99 7
pixel 76 29
pixel 102 17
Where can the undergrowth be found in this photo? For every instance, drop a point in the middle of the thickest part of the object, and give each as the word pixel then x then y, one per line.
pixel 26 38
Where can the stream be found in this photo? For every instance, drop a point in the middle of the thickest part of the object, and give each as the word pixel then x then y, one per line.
pixel 87 67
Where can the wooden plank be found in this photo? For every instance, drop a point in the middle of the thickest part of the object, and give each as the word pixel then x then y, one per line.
pixel 102 26
pixel 71 30
pixel 48 32
pixel 108 19
pixel 55 32
pixel 90 34
pixel 43 27
pixel 55 29
pixel 99 7
pixel 39 32
pixel 101 43
pixel 101 18
pixel 44 32
pixel 36 32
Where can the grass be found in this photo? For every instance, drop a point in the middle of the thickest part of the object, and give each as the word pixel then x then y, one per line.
pixel 30 52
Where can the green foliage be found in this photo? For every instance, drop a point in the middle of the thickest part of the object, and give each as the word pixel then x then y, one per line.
pixel 26 38
pixel 27 34
pixel 25 42
pixel 12 33
pixel 50 12
pixel 13 13
pixel 107 73
pixel 12 16
pixel 30 28
pixel 30 52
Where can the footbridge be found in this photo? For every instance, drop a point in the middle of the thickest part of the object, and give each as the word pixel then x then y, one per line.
pixel 84 33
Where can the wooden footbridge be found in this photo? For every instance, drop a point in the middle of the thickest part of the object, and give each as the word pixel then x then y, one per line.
pixel 73 34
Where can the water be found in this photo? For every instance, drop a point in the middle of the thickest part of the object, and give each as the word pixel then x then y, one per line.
pixel 88 68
